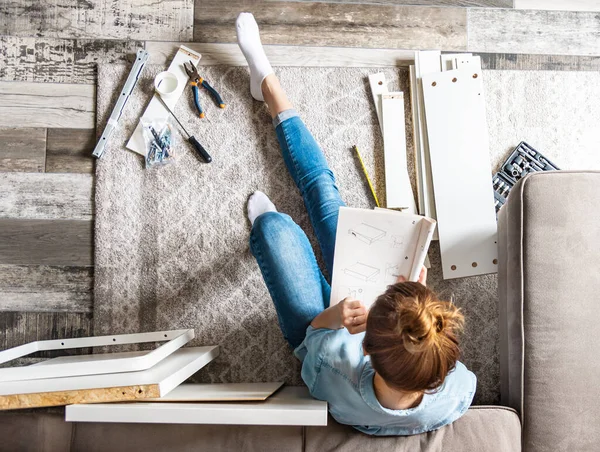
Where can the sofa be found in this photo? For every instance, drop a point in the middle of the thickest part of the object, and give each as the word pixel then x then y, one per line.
pixel 549 258
pixel 548 290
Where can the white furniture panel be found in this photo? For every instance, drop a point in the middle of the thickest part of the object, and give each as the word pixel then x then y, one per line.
pixel 398 190
pixel 462 175
pixel 102 363
pixel 378 87
pixel 426 62
pixel 219 392
pixel 290 406
pixel 167 374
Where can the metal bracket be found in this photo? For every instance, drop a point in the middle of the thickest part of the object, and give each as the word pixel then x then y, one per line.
pixel 140 61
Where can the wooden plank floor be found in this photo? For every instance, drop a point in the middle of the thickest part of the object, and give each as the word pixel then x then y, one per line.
pixel 48 56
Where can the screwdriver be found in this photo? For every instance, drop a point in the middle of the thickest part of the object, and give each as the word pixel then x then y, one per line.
pixel 201 151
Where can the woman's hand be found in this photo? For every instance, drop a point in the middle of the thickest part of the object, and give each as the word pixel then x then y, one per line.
pixel 353 314
pixel 422 277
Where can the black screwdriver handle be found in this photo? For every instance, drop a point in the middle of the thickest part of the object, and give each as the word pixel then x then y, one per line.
pixel 200 150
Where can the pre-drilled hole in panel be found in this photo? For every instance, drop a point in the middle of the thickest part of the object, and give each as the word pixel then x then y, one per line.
pixel 474 264
pixel 495 261
pixel 453 267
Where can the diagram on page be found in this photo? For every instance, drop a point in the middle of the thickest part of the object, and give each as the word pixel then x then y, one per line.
pixel 373 248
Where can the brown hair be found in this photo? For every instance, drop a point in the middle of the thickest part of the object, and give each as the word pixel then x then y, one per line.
pixel 412 337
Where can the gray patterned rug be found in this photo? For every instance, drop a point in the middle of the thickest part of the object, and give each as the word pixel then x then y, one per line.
pixel 172 243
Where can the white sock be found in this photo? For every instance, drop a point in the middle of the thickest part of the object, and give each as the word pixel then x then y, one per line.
pixel 249 41
pixel 258 204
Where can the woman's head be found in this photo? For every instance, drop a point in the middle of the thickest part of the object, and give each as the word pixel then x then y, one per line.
pixel 412 337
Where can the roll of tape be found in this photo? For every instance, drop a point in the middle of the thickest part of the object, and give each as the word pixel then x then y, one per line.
pixel 166 84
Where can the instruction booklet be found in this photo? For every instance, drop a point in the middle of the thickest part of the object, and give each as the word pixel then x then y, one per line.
pixel 373 248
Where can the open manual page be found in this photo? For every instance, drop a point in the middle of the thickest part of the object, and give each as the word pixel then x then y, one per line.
pixel 373 248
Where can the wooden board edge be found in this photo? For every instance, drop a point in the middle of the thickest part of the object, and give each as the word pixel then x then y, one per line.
pixel 96 395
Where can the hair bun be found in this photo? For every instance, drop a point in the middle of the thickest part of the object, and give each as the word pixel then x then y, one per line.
pixel 423 322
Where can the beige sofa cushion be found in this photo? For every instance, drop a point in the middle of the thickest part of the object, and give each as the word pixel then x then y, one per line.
pixel 481 429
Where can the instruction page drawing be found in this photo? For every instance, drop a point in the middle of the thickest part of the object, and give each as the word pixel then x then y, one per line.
pixel 373 248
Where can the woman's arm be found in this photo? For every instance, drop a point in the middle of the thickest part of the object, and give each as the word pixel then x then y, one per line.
pixel 347 313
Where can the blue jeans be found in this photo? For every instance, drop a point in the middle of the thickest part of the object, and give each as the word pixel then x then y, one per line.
pixel 287 261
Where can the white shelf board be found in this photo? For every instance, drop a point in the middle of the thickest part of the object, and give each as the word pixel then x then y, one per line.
pixel 290 406
pixel 398 191
pixel 167 374
pixel 461 169
pixel 102 363
pixel 219 392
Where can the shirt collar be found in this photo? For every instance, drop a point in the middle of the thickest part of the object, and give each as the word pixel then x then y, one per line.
pixel 367 392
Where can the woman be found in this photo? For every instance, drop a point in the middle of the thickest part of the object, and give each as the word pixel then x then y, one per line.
pixel 391 371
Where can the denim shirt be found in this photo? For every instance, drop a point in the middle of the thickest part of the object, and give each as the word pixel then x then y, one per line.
pixel 335 370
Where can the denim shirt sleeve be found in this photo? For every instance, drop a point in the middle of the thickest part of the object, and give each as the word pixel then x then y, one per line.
pixel 312 352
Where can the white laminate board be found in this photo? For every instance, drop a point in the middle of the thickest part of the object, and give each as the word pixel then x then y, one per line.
pixel 219 392
pixel 167 374
pixel 378 87
pixel 462 175
pixel 100 363
pixel 289 406
pixel 398 191
pixel 426 62
pixel 155 110
pixel 470 63
pixel 414 109
pixel 448 60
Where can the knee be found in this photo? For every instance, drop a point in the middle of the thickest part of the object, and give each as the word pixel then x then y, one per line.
pixel 272 226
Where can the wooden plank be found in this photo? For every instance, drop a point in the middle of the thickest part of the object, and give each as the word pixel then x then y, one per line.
pixel 398 191
pixel 230 55
pixel 335 24
pixel 157 381
pixel 479 3
pixel 46 289
pixel 46 242
pixel 224 392
pixel 17 328
pixel 100 19
pixel 24 104
pixel 292 405
pixel 461 169
pixel 47 196
pixel 527 62
pixel 59 60
pixel 559 5
pixel 22 149
pixel 525 31
pixel 70 151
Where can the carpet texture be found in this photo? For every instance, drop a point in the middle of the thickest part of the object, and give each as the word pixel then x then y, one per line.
pixel 172 243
